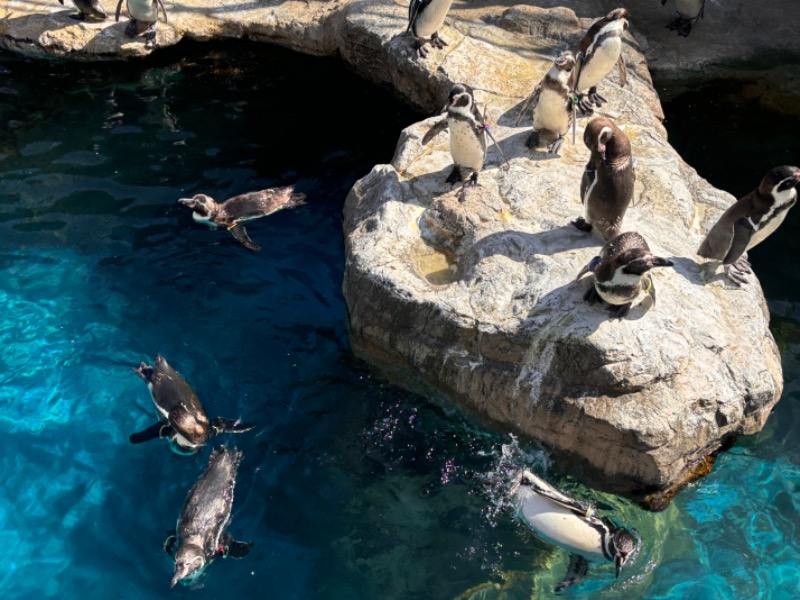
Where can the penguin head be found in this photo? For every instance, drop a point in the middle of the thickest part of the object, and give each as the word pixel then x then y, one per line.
pixel 189 563
pixel 780 179
pixel 598 134
pixel 192 425
pixel 203 206
pixel 621 14
pixel 461 96
pixel 565 61
pixel 624 545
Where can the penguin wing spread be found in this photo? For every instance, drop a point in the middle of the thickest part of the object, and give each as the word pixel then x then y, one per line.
pixel 240 233
pixel 435 130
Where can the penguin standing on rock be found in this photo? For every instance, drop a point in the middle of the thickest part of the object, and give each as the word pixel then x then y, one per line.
pixel 87 9
pixel 749 221
pixel 143 18
pixel 202 530
pixel 688 13
pixel 599 50
pixel 621 273
pixel 607 182
pixel 425 17
pixel 233 212
pixel 552 107
pixel 572 525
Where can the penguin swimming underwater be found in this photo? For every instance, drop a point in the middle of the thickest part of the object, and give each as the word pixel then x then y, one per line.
pixel 621 273
pixel 143 16
pixel 231 213
pixel 600 49
pixel 425 17
pixel 552 106
pixel 201 535
pixel 749 221
pixel 572 525
pixel 182 419
pixel 689 11
pixel 608 179
pixel 87 8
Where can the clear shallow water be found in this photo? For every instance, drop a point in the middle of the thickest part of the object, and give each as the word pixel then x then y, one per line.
pixel 349 487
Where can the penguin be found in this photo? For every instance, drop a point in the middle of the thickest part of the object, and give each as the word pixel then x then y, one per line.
pixel 143 18
pixel 182 419
pixel 607 181
pixel 201 534
pixel 425 17
pixel 571 525
pixel 467 135
pixel 231 213
pixel 552 106
pixel 749 221
pixel 621 273
pixel 87 8
pixel 689 11
pixel 600 49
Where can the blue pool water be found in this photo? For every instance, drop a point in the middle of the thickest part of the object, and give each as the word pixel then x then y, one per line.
pixel 349 487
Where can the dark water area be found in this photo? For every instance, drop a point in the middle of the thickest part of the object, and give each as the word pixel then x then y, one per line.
pixel 349 488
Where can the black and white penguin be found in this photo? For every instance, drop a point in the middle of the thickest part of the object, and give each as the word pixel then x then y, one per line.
pixel 425 17
pixel 233 212
pixel 552 105
pixel 749 221
pixel 621 273
pixel 90 9
pixel 689 11
pixel 600 49
pixel 571 525
pixel 143 16
pixel 467 134
pixel 201 535
pixel 607 182
pixel 182 418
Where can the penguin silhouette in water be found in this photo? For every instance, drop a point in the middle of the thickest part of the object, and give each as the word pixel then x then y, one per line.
pixel 621 273
pixel 571 525
pixel 234 212
pixel 689 11
pixel 182 419
pixel 201 535
pixel 749 221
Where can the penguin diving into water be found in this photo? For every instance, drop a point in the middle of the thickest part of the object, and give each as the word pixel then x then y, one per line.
pixel 182 419
pixel 689 11
pixel 425 17
pixel 91 9
pixel 571 525
pixel 201 535
pixel 749 221
pixel 233 212
pixel 621 273
pixel 468 129
pixel 143 16
pixel 600 49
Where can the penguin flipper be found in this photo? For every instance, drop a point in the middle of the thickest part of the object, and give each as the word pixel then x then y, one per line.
pixel 240 233
pixel 623 73
pixel 220 425
pixel 742 233
pixel 435 130
pixel 576 571
pixel 170 543
pixel 587 180
pixel 151 433
pixel 119 8
pixel 235 549
pixel 703 9
pixel 531 101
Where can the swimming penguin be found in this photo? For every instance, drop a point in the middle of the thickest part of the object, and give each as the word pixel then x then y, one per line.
pixel 607 182
pixel 621 273
pixel 87 8
pixel 750 220
pixel 143 16
pixel 201 535
pixel 552 106
pixel 599 50
pixel 231 213
pixel 467 134
pixel 425 17
pixel 688 13
pixel 182 419
pixel 572 525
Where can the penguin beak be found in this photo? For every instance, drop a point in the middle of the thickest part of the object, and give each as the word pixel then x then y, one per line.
pixel 619 562
pixel 657 261
pixel 601 148
pixel 186 201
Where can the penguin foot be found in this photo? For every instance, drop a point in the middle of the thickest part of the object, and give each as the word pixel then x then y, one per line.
pixel 682 26
pixel 455 175
pixel 78 17
pixel 581 224
pixel 743 265
pixel 585 105
pixel 420 49
pixel 437 42
pixel 620 311
pixel 132 30
pixel 556 146
pixel 591 296
pixel 533 140
pixel 735 276
pixel 596 98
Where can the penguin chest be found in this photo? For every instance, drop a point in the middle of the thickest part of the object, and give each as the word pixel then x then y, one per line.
pixel 599 63
pixel 771 221
pixel 621 289
pixel 560 526
pixel 688 9
pixel 551 112
pixel 143 10
pixel 431 18
pixel 467 147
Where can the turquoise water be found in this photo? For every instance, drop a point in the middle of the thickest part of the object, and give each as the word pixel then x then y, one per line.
pixel 349 487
